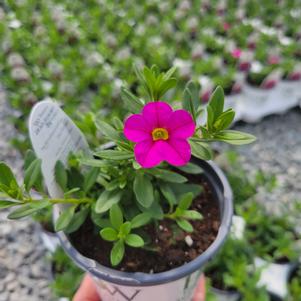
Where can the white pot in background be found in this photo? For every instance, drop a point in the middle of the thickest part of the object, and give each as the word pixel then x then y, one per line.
pixel 284 96
pixel 256 103
pixel 274 276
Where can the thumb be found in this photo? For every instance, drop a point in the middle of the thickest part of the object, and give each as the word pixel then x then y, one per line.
pixel 200 292
pixel 87 291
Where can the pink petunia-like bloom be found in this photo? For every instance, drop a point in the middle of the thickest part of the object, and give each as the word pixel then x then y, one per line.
pixel 160 135
pixel 236 53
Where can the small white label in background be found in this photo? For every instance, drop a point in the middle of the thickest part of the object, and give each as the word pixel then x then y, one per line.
pixel 53 136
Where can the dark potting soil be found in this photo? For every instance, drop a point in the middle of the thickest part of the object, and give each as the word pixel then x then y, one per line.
pixel 169 249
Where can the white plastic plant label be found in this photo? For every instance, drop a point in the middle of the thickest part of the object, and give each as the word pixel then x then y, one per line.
pixel 53 136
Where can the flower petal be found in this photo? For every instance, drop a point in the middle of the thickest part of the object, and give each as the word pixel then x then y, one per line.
pixel 157 113
pixel 181 124
pixel 147 153
pixel 136 129
pixel 176 152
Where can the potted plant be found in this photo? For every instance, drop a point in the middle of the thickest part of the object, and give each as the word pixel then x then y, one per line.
pixel 294 287
pixel 66 275
pixel 144 216
pixel 233 275
pixel 275 244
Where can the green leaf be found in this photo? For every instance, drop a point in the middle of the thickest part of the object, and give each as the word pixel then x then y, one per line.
pixel 125 229
pixel 65 218
pixel 192 214
pixel 106 200
pixel 116 217
pixel 7 177
pixel 109 234
pixel 118 124
pixel 28 209
pixel 8 203
pixel 115 154
pixel 191 100
pixel 117 252
pixel 210 118
pixel 134 241
pixel 224 120
pixel 33 174
pixel 90 178
pixel 200 150
pixel 143 189
pixel 186 201
pixel 77 220
pixel 71 191
pixel 133 103
pixel 93 162
pixel 167 85
pixel 170 73
pixel 60 175
pixel 181 189
pixel 167 175
pixel 191 168
pixel 216 102
pixel 185 225
pixel 29 158
pixel 168 193
pixel 108 131
pixel 235 137
pixel 99 220
pixel 140 220
pixel 155 211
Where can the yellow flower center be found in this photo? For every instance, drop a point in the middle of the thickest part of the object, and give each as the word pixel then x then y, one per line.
pixel 159 134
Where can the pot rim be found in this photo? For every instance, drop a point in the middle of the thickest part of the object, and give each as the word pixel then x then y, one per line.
pixel 223 192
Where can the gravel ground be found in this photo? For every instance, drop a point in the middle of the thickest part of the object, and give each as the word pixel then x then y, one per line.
pixel 276 151
pixel 24 272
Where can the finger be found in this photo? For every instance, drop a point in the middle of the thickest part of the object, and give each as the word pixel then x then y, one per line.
pixel 200 292
pixel 87 291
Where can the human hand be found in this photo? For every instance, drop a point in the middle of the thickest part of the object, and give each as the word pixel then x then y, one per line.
pixel 87 291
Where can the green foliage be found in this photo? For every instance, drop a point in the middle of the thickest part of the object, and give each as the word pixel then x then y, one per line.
pixel 67 276
pixel 156 84
pixel 106 200
pixel 33 174
pixel 218 122
pixel 191 102
pixel 294 286
pixel 143 189
pixel 272 237
pixel 61 175
pixel 65 218
pixel 232 268
pixel 120 233
pixel 181 215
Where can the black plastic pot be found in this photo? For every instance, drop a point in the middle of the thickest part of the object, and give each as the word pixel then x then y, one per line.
pixel 161 285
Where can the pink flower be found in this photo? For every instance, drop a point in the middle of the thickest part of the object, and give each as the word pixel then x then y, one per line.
pixel 226 26
pixel 160 135
pixel 236 53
